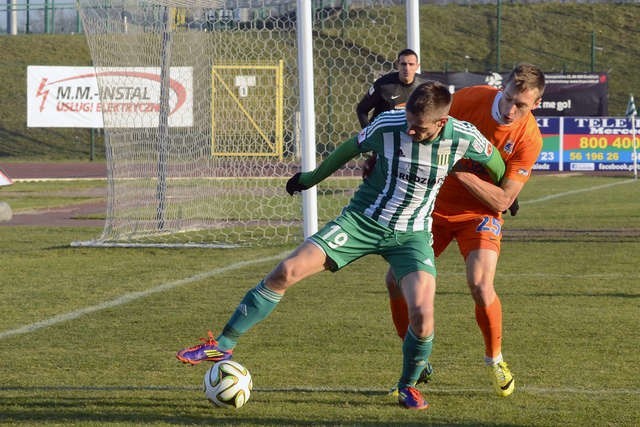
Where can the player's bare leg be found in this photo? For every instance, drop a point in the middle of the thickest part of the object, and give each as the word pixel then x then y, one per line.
pixel 398 305
pixel 303 262
pixel 257 304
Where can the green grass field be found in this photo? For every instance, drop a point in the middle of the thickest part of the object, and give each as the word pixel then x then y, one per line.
pixel 88 336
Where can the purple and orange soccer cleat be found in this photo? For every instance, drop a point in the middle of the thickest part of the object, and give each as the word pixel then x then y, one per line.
pixel 410 398
pixel 208 350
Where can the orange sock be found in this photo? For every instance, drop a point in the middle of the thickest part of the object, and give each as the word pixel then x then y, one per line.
pixel 400 315
pixel 490 322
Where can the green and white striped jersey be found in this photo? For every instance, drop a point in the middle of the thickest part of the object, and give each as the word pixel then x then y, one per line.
pixel 400 192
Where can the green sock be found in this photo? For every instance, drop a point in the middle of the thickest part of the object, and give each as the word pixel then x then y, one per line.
pixel 257 304
pixel 415 352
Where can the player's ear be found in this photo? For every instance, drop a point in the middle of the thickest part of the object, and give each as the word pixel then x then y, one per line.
pixel 537 103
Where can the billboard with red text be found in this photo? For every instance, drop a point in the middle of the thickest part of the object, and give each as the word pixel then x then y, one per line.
pixel 122 97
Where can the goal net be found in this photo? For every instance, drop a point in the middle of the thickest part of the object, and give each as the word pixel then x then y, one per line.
pixel 200 109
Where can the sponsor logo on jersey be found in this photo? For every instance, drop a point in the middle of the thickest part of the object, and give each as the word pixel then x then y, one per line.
pixel 479 145
pixel 508 147
pixel 428 262
pixel 482 146
pixel 488 149
pixel 400 153
pixel 443 159
pixel 412 178
pixel 523 172
pixel 362 135
pixel 395 96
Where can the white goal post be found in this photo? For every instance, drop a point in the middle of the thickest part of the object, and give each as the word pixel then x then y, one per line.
pixel 204 102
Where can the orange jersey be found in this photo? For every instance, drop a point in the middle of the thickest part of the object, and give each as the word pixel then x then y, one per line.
pixel 519 145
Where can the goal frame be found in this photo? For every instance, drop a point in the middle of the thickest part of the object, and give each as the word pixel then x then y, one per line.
pixel 306 122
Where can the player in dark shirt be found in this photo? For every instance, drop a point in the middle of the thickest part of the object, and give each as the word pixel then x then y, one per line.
pixel 392 90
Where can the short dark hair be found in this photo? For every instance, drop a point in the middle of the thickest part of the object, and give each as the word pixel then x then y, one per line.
pixel 431 95
pixel 527 76
pixel 405 52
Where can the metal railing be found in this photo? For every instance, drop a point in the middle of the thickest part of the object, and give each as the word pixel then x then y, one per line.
pixel 39 17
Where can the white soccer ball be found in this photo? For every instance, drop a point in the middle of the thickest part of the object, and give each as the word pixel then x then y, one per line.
pixel 228 384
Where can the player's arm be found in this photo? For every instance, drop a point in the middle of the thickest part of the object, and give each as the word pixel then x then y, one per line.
pixel 483 152
pixel 339 157
pixel 495 166
pixel 366 104
pixel 504 196
pixel 498 198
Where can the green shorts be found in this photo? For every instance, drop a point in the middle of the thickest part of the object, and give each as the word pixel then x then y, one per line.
pixel 353 235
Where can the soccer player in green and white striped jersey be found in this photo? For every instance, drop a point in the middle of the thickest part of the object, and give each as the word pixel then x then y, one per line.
pixel 389 215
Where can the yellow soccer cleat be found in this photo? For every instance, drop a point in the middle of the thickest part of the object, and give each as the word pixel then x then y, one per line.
pixel 503 381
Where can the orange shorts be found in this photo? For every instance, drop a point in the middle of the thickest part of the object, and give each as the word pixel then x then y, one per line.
pixel 471 232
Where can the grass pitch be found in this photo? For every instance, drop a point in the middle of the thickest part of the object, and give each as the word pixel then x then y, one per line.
pixel 88 336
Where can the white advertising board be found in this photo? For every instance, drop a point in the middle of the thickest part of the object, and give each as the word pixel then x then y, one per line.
pixel 122 97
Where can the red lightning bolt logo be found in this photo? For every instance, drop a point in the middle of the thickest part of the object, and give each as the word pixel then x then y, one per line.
pixel 43 93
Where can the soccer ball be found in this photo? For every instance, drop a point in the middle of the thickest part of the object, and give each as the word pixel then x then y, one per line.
pixel 228 384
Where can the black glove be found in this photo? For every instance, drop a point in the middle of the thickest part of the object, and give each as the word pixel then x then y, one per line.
pixel 294 185
pixel 514 208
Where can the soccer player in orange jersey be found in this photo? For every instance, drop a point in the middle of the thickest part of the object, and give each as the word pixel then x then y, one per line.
pixel 468 209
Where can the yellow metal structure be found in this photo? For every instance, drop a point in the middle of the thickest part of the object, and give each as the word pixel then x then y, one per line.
pixel 247 110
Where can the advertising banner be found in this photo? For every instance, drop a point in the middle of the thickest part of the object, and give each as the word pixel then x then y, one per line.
pixel 597 144
pixel 550 157
pixel 576 94
pixel 587 144
pixel 122 97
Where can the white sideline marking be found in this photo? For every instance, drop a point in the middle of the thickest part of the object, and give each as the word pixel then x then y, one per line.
pixel 132 296
pixel 568 193
pixel 547 275
pixel 451 390
pixel 346 389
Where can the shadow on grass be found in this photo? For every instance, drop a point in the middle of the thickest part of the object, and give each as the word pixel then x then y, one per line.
pixel 52 405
